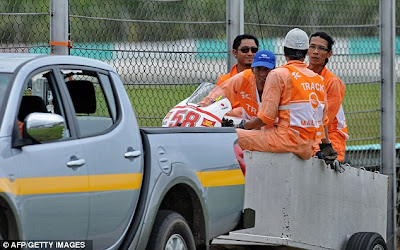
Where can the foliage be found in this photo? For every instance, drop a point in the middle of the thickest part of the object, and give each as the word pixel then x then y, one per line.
pixel 24 28
pixel 130 21
pixel 135 20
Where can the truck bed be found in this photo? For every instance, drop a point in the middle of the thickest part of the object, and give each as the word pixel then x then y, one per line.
pixel 203 155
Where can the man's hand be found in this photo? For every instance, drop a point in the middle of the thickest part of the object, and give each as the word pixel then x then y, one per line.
pixel 328 153
pixel 241 124
pixel 337 166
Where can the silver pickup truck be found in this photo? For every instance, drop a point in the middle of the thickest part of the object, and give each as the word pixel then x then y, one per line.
pixel 74 165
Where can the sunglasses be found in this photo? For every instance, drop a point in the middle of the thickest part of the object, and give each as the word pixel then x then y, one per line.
pixel 246 49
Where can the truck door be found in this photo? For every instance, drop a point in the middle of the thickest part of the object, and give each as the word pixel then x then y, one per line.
pixel 112 144
pixel 51 176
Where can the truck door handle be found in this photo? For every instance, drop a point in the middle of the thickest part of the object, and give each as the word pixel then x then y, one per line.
pixel 132 153
pixel 75 162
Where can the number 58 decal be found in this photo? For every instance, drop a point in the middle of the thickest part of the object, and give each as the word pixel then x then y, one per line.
pixel 184 118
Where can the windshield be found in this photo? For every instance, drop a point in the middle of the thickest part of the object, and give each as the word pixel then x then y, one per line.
pixel 202 91
pixel 4 82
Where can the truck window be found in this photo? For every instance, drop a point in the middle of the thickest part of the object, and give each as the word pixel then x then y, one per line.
pixel 4 82
pixel 40 94
pixel 93 100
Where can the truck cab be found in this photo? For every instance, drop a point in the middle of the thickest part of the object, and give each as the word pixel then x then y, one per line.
pixel 76 166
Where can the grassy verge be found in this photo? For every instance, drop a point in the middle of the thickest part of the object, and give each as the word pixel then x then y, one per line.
pixel 152 103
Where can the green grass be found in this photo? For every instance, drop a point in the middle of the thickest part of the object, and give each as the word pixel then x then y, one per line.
pixel 362 108
pixel 361 105
pixel 152 103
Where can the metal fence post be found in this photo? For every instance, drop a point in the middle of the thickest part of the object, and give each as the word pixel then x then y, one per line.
pixel 388 111
pixel 234 26
pixel 59 31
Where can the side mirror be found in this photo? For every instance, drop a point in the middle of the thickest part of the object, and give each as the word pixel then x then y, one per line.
pixel 44 127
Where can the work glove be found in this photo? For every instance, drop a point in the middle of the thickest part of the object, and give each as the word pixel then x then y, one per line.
pixel 227 123
pixel 328 154
pixel 241 124
pixel 337 166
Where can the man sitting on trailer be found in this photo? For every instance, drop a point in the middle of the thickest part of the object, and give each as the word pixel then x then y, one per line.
pixel 293 106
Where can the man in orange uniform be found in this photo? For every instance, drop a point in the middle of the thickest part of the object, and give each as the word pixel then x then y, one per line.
pixel 244 47
pixel 320 49
pixel 294 104
pixel 245 88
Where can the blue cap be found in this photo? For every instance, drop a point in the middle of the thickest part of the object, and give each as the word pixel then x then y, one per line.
pixel 264 58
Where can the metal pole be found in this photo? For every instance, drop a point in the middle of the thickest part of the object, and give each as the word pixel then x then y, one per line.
pixel 234 26
pixel 388 112
pixel 59 31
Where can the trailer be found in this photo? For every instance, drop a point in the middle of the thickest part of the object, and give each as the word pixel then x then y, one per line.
pixel 307 205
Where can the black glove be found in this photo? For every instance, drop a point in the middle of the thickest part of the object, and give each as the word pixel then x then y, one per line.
pixel 328 153
pixel 227 123
pixel 337 166
pixel 241 124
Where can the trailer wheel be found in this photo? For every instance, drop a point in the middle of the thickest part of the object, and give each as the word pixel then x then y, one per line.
pixel 171 231
pixel 366 241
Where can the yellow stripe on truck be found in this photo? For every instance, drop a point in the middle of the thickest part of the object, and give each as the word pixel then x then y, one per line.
pixel 221 178
pixel 71 184
pixel 114 182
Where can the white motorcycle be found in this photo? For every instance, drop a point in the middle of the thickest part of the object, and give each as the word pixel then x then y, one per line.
pixel 188 113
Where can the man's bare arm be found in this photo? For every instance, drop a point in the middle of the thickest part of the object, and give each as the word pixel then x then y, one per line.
pixel 256 123
pixel 326 139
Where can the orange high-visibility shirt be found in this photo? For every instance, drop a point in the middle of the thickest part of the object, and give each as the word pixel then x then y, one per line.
pixel 225 77
pixel 280 137
pixel 335 89
pixel 242 89
pixel 306 104
pixel 337 127
pixel 277 92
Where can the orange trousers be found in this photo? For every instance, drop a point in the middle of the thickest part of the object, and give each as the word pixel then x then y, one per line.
pixel 338 143
pixel 277 140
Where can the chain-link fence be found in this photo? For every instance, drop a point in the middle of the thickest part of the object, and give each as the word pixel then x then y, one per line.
pixel 397 31
pixel 24 26
pixel 164 49
pixel 356 57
